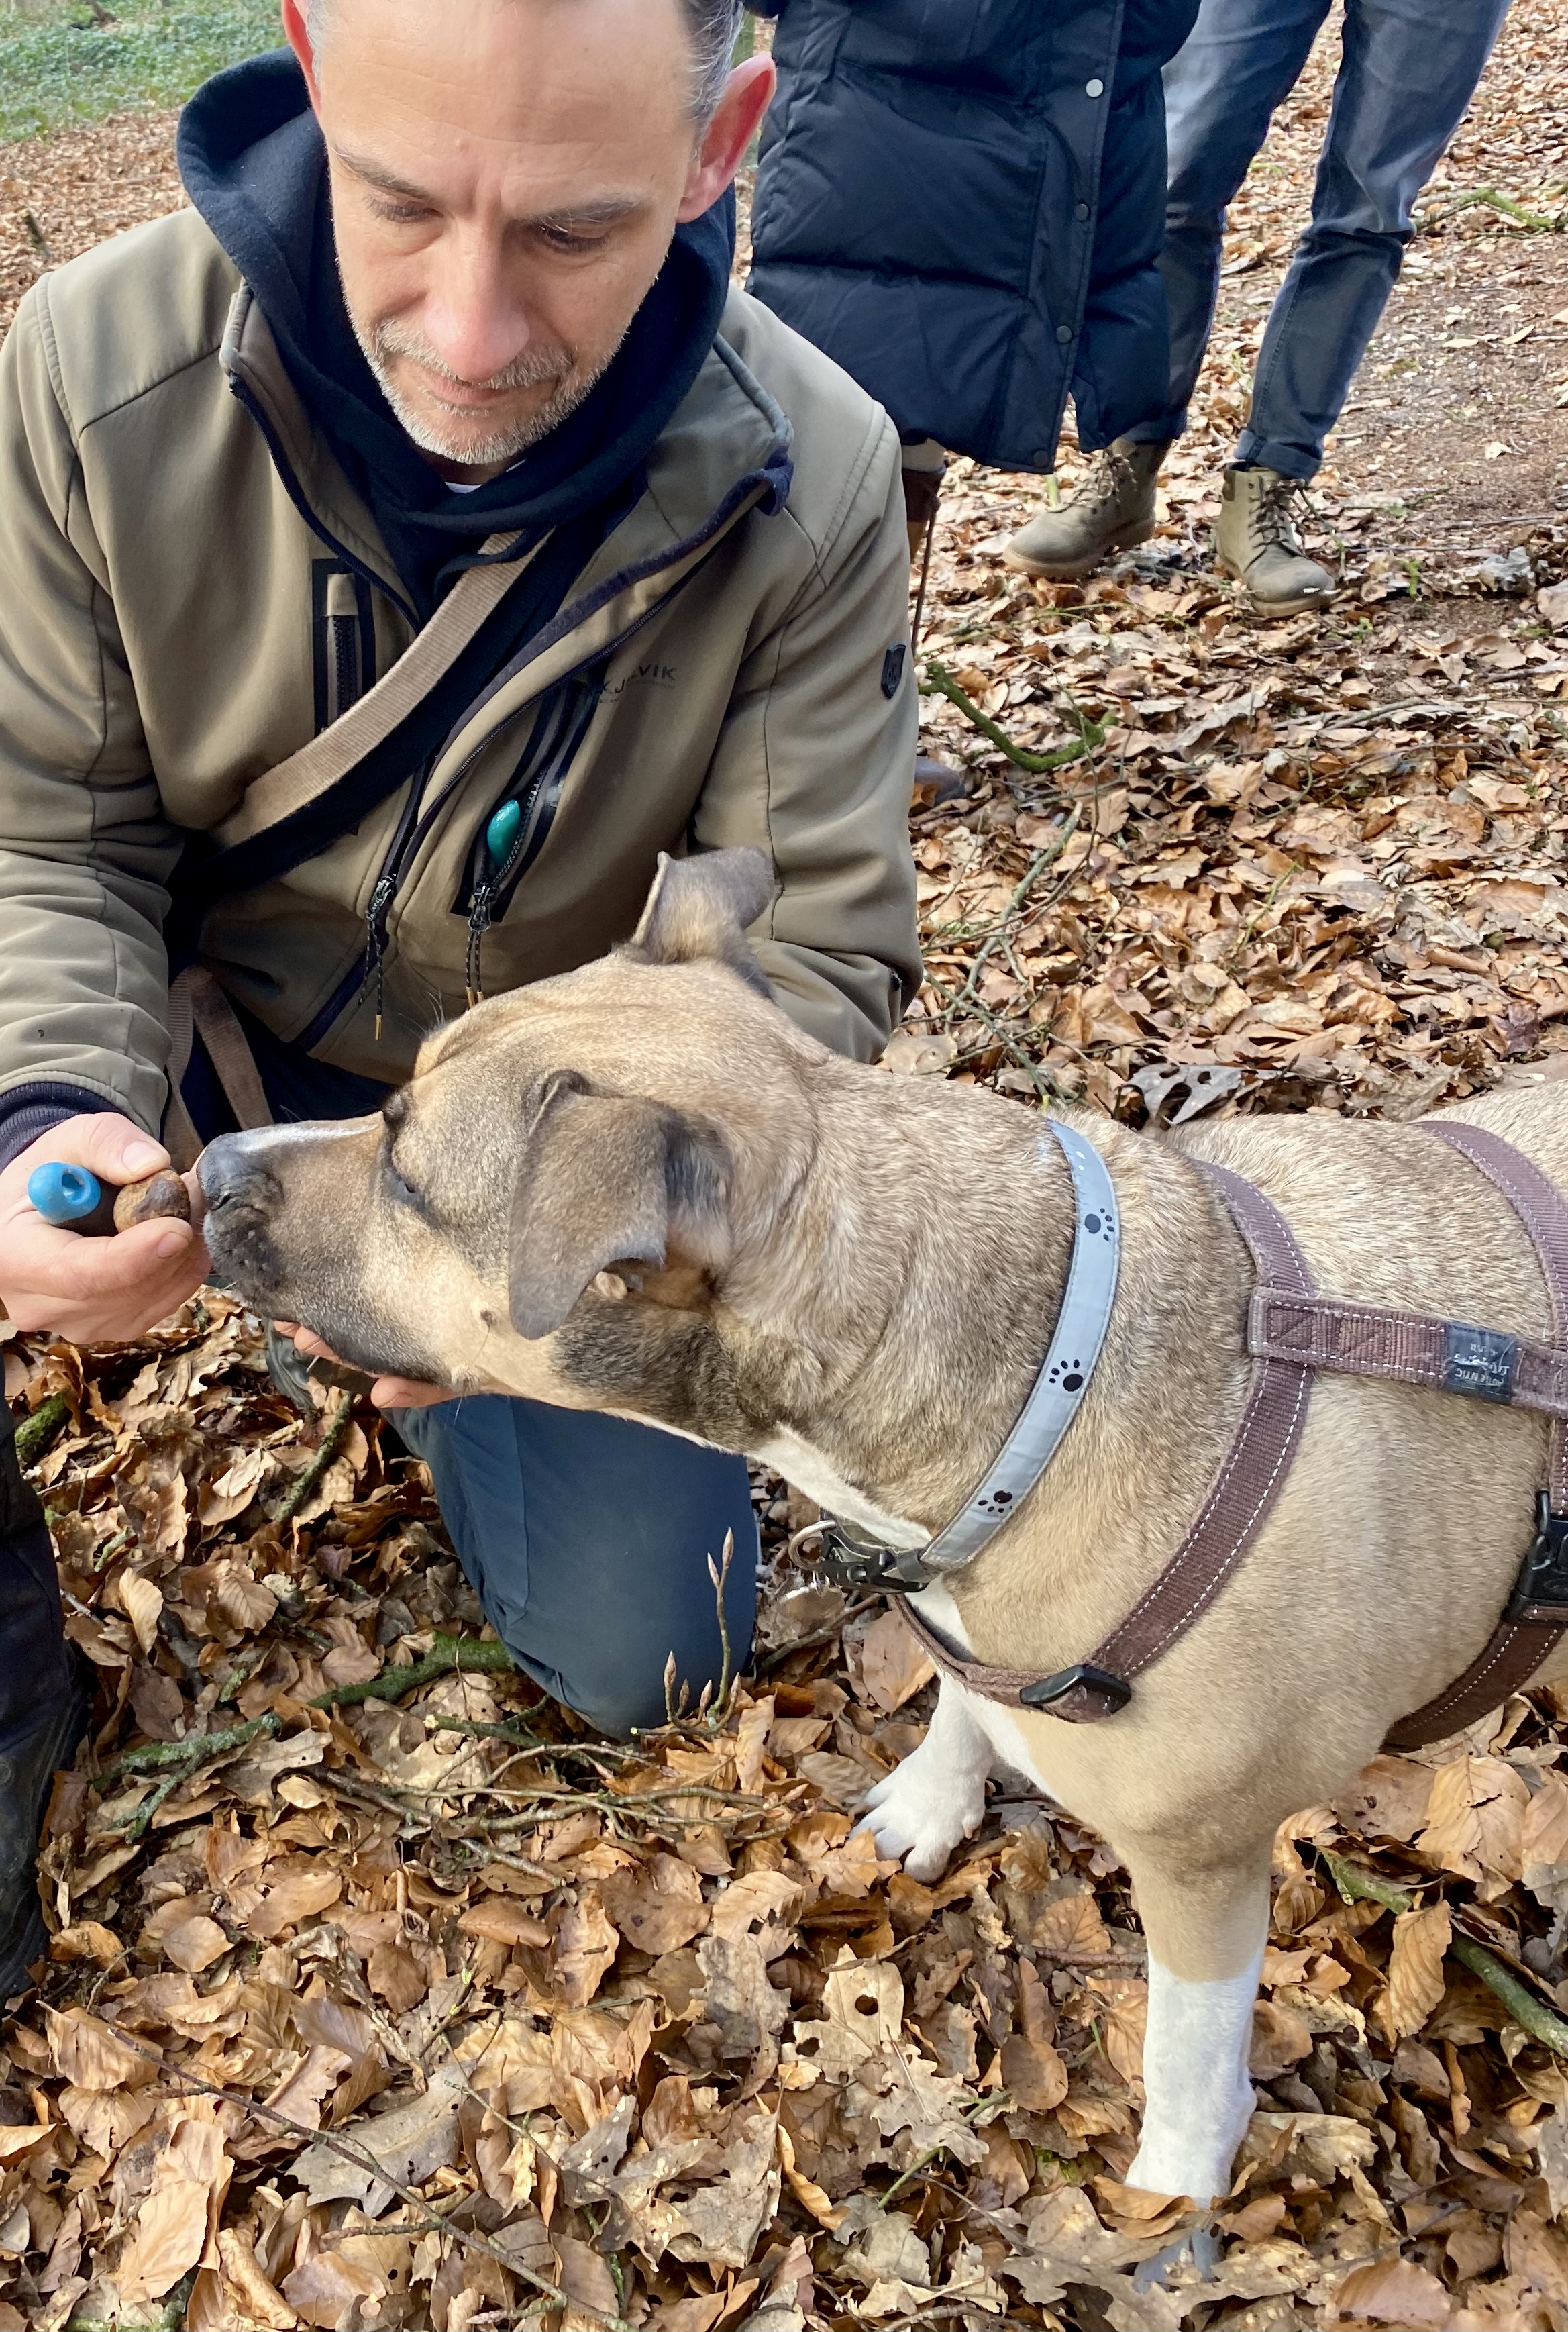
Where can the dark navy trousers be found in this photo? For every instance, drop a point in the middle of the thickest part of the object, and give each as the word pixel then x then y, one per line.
pixel 586 1538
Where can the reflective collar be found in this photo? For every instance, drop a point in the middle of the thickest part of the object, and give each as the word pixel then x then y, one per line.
pixel 1050 1408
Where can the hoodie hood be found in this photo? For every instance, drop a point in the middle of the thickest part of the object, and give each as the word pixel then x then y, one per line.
pixel 255 165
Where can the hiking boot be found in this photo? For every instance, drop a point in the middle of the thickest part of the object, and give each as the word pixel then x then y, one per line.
pixel 1111 510
pixel 1256 540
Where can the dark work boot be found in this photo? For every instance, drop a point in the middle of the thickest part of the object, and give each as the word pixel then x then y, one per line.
pixel 42 1708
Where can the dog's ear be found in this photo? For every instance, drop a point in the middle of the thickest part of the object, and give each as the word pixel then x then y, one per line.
pixel 603 1179
pixel 699 909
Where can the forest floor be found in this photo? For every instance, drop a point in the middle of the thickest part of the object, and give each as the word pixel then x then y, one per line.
pixel 380 1993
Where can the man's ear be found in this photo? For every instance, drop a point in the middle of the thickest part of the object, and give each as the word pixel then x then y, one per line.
pixel 603 1179
pixel 699 908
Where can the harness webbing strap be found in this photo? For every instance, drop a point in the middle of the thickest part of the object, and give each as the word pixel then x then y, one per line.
pixel 1418 1348
pixel 1529 1629
pixel 1292 1331
pixel 1230 1519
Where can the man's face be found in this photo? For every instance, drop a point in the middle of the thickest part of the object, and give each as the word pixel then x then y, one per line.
pixel 506 176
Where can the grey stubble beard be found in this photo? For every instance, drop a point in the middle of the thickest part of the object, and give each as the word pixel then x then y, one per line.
pixel 387 339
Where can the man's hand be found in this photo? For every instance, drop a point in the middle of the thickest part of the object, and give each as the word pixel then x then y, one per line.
pixel 94 1291
pixel 387 1393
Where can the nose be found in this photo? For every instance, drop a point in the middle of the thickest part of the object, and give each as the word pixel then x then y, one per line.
pixel 231 1173
pixel 475 323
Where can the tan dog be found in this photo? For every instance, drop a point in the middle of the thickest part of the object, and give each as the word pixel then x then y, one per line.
pixel 640 1188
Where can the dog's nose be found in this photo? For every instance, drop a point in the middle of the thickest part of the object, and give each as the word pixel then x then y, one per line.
pixel 231 1173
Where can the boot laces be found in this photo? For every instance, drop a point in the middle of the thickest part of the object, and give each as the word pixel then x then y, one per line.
pixel 1111 477
pixel 1274 515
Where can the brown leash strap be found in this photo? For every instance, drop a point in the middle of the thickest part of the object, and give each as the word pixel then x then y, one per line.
pixel 1231 1516
pixel 288 788
pixel 1529 1628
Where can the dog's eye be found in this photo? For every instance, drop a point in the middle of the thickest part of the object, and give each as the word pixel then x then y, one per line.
pixel 402 1190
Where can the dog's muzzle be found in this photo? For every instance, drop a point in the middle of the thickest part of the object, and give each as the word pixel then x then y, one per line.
pixel 241 1195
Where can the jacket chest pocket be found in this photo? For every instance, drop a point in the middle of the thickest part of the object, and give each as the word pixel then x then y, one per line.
pixel 342 639
pixel 517 826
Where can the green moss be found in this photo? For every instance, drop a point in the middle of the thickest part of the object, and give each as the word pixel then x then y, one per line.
pixel 59 65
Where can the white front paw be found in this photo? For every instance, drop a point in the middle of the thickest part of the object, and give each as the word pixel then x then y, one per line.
pixel 1195 2155
pixel 920 1811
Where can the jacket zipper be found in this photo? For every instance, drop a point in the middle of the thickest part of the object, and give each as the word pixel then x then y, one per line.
pixel 412 830
pixel 292 488
pixel 491 882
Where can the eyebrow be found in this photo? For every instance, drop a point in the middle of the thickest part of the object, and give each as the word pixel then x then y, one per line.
pixel 607 210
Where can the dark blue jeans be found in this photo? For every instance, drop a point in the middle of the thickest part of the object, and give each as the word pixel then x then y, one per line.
pixel 586 1538
pixel 1407 72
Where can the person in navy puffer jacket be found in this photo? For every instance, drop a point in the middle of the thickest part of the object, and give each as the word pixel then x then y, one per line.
pixel 963 203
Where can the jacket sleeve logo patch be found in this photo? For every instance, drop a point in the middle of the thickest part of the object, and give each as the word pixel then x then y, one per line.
pixel 893 669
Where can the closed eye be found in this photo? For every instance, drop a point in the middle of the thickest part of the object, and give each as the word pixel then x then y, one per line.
pixel 404 1191
pixel 399 1188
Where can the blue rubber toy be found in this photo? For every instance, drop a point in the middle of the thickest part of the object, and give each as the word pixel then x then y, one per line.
pixel 64 1195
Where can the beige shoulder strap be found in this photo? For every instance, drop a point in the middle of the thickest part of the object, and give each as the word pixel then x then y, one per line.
pixel 198 1006
pixel 317 767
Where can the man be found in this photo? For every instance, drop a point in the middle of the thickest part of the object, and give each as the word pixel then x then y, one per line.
pixel 1407 73
pixel 397 550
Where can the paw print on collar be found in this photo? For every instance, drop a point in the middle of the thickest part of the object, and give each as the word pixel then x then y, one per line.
pixel 1100 1225
pixel 995 1503
pixel 1066 1376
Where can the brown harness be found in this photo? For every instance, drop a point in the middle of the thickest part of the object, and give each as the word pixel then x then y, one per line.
pixel 1291 1330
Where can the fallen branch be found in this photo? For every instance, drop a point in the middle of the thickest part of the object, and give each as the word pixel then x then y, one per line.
pixel 1037 864
pixel 445 1653
pixel 1359 1886
pixel 35 1433
pixel 940 682
pixel 1488 195
pixel 185 1756
pixel 1520 2002
pixel 516 1736
pixel 315 1472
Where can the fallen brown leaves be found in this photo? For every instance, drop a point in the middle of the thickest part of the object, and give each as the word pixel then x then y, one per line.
pixel 433 2010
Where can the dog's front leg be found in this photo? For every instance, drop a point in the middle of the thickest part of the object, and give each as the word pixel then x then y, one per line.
pixel 1206 1929
pixel 937 1795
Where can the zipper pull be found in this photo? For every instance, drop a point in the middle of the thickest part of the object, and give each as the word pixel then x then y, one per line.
pixel 478 925
pixel 502 833
pixel 500 840
pixel 382 899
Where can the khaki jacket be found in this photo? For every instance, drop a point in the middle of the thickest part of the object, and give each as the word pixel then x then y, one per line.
pixel 190 591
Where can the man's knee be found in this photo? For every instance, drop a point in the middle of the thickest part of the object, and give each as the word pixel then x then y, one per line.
pixel 665 1648
pixel 588 1539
